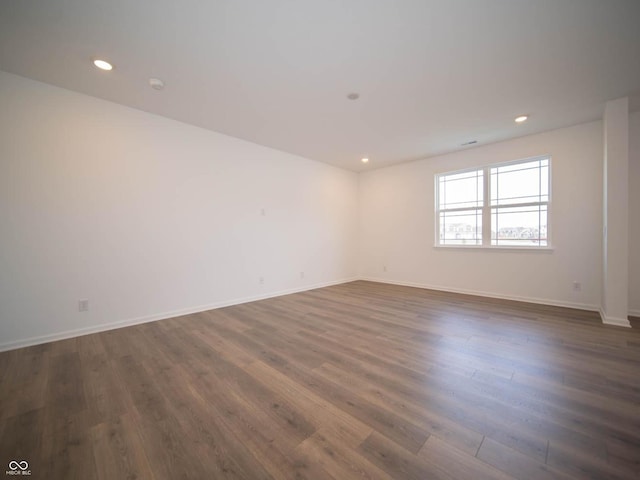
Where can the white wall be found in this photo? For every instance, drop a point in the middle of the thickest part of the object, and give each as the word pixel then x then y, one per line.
pixel 397 225
pixel 615 219
pixel 147 217
pixel 634 214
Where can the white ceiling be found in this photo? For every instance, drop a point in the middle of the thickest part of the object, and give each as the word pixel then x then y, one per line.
pixel 431 74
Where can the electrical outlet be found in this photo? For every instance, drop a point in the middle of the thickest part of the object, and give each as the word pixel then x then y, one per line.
pixel 384 268
pixel 83 305
pixel 577 286
pixel 263 212
pixel 301 275
pixel 261 280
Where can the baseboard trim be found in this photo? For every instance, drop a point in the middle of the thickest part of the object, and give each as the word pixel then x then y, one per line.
pixel 480 293
pixel 27 342
pixel 620 322
pixel 616 321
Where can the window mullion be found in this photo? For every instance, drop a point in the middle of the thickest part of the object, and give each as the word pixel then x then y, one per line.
pixel 528 204
pixel 486 209
pixel 438 206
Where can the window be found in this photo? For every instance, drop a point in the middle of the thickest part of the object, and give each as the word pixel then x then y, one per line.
pixel 498 205
pixel 460 204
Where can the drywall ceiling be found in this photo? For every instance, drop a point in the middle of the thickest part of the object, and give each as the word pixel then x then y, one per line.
pixel 431 74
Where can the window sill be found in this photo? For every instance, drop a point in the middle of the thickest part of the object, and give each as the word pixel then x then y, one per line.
pixel 498 248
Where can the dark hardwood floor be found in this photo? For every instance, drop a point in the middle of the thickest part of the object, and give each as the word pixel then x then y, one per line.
pixel 361 380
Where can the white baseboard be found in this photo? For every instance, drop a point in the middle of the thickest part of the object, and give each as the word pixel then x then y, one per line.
pixel 27 342
pixel 622 322
pixel 480 293
pixel 618 322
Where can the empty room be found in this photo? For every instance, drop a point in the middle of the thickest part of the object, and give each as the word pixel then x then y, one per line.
pixel 337 239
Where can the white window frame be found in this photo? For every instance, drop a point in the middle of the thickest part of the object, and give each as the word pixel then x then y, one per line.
pixel 486 207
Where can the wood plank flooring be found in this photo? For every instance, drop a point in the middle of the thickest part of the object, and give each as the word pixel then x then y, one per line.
pixel 360 380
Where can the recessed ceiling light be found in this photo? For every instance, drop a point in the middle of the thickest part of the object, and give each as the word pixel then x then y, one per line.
pixel 365 160
pixel 522 118
pixel 103 64
pixel 353 96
